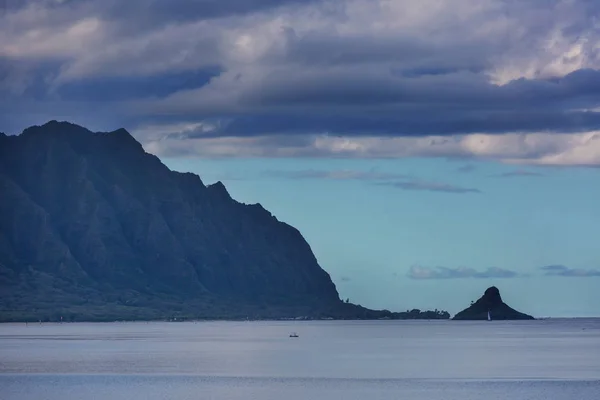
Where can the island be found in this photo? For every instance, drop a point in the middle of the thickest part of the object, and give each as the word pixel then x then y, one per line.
pixel 94 228
pixel 491 304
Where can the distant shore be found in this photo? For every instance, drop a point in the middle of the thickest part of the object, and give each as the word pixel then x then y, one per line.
pixel 562 318
pixel 185 311
pixel 175 319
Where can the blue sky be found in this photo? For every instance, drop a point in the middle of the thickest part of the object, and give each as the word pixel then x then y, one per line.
pixel 375 238
pixel 426 149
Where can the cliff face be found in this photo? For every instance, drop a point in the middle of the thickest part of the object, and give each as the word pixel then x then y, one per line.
pixel 490 301
pixel 87 218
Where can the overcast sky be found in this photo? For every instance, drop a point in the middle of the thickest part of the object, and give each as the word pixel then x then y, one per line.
pixel 426 149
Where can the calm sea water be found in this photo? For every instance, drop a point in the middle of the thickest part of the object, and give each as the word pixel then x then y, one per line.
pixel 550 359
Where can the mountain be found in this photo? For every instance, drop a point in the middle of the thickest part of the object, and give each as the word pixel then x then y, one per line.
pixel 94 228
pixel 490 301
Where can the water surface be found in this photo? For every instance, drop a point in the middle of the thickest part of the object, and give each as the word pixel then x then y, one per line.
pixel 550 359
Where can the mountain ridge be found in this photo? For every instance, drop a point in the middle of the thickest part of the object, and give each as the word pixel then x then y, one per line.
pixel 91 221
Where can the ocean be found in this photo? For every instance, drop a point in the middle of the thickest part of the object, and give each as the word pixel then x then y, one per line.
pixel 547 359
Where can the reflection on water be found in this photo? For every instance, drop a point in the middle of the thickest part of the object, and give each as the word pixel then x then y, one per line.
pixel 555 359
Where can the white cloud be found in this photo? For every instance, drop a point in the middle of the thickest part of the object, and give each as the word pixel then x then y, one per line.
pixel 531 148
pixel 561 270
pixel 419 272
pixel 36 31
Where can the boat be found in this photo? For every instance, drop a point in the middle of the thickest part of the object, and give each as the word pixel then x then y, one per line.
pixel 294 334
pixel 489 316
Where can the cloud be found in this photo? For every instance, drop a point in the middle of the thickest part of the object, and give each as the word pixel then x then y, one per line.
pixel 418 272
pixel 519 173
pixel 561 270
pixel 395 180
pixel 298 101
pixel 528 149
pixel 420 185
pixel 516 82
pixel 466 168
pixel 344 174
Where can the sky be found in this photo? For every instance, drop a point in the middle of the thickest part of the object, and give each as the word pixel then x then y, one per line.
pixel 425 149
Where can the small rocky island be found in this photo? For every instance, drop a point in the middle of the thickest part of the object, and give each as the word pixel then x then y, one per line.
pixel 491 302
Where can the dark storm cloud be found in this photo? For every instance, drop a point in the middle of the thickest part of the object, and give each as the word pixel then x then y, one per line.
pixel 561 270
pixel 344 102
pixel 294 68
pixel 417 272
pixel 354 86
pixel 405 121
pixel 159 11
pixel 107 89
pixel 417 57
pixel 26 79
pixel 156 12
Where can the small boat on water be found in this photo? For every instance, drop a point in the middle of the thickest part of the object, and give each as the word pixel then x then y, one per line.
pixel 294 334
pixel 489 316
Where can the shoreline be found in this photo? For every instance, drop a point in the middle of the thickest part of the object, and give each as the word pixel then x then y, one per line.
pixel 220 320
pixel 458 322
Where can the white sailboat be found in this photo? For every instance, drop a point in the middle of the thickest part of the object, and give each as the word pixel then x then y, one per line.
pixel 489 316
